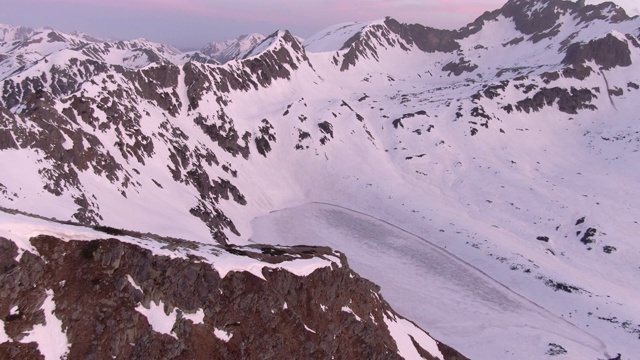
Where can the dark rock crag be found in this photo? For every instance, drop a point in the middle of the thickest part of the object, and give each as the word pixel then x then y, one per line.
pixel 100 287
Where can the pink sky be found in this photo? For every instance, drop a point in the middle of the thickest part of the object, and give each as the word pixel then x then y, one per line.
pixel 192 23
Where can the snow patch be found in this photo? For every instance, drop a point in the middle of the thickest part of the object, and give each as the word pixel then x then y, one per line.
pixel 309 329
pixel 159 320
pixel 401 330
pixel 348 310
pixel 133 283
pixel 50 337
pixel 197 318
pixel 3 335
pixel 226 263
pixel 222 335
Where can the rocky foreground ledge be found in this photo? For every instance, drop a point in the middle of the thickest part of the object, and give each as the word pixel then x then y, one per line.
pixel 74 292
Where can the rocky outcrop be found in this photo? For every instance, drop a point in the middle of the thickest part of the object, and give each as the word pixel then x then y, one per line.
pixel 110 298
pixel 267 135
pixel 364 45
pixel 535 17
pixel 460 66
pixel 568 101
pixel 255 71
pixel 391 33
pixel 425 38
pixel 607 52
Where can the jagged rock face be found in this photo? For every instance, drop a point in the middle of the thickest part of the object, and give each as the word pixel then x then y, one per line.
pixel 390 34
pixel 107 298
pixel 540 18
pixel 607 52
pixel 533 18
pixel 254 73
pixel 425 38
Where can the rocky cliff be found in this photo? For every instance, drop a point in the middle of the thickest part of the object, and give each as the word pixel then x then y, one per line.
pixel 134 296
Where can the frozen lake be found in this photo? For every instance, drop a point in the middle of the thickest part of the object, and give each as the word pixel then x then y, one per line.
pixel 451 299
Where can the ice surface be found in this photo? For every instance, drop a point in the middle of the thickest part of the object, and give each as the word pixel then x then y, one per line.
pixel 450 298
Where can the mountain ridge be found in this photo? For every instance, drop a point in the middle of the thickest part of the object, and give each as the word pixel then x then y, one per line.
pixel 446 133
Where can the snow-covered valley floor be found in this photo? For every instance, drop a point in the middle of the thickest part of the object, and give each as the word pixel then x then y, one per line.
pixel 455 301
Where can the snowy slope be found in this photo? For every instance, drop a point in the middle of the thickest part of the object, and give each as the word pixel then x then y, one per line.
pixel 512 143
pixel 333 38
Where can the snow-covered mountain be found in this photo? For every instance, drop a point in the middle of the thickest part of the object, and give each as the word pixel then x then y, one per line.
pixel 224 51
pixel 485 177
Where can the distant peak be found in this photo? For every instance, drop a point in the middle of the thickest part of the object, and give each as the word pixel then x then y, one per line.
pixel 280 37
pixel 250 36
pixel 224 51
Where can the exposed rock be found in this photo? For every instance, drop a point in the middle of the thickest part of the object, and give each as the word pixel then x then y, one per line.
pixel 535 22
pixel 587 238
pixel 514 41
pixel 608 52
pixel 568 101
pixel 266 135
pixel 460 66
pixel 326 128
pixel 224 133
pixel 102 290
pixel 272 65
pixel 425 38
pixel 158 84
